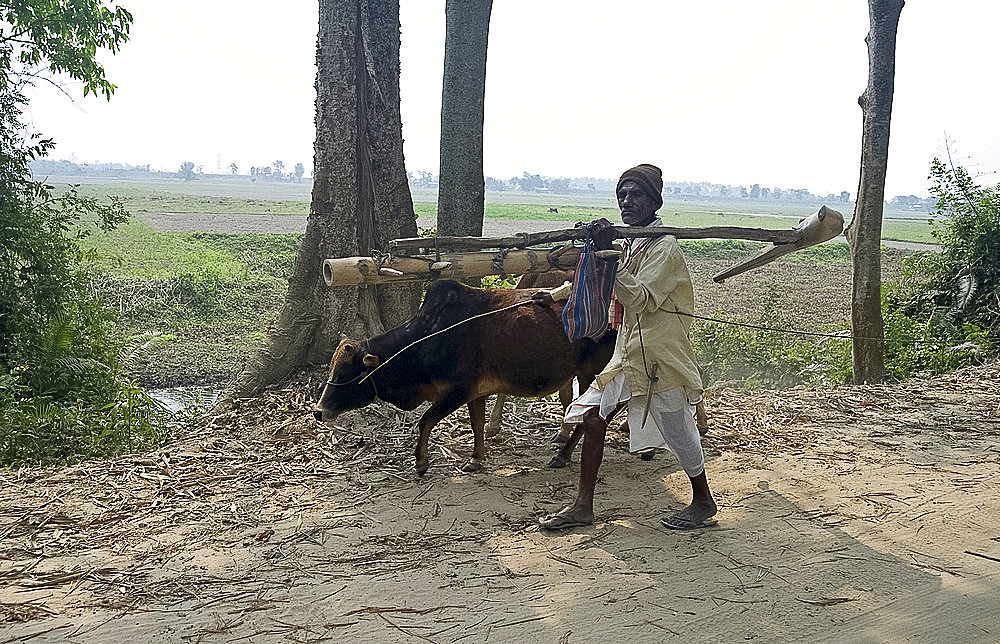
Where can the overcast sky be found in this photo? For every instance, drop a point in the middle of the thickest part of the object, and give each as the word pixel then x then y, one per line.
pixel 727 91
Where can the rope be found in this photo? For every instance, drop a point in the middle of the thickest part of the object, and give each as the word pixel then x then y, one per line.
pixel 837 336
pixel 449 328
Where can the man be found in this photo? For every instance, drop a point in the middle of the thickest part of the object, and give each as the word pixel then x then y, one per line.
pixel 653 371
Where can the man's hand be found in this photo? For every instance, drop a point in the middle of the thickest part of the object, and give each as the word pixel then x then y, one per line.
pixel 603 233
pixel 542 298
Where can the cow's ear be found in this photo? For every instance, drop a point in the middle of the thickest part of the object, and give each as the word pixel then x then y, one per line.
pixel 370 360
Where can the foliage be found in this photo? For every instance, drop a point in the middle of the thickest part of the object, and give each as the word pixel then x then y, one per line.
pixel 62 393
pixel 187 171
pixel 762 355
pixel 943 312
pixel 63 36
pixel 498 281
pixel 968 228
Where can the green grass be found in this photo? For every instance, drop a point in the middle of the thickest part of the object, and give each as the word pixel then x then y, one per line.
pixel 144 197
pixel 241 195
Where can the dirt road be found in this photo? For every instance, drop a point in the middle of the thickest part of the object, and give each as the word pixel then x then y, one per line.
pixel 854 514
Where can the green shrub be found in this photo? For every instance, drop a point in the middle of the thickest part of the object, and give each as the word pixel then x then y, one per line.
pixel 941 314
pixel 62 394
pixel 760 355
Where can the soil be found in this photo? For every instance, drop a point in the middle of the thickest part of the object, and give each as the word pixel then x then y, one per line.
pixel 848 514
pixel 852 514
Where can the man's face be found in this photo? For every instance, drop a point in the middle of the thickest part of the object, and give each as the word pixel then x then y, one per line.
pixel 638 208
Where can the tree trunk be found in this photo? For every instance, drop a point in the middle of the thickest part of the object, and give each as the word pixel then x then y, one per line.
pixel 865 231
pixel 360 197
pixel 461 191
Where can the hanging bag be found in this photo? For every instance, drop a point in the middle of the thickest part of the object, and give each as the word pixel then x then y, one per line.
pixel 586 311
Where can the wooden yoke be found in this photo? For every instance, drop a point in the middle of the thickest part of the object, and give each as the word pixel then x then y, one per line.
pixel 432 258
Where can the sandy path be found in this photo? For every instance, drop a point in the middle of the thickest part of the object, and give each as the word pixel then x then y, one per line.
pixel 861 514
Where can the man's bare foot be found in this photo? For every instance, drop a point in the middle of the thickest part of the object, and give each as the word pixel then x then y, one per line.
pixel 694 516
pixel 566 518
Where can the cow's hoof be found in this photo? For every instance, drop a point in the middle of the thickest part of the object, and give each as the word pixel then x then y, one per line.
pixel 558 462
pixel 492 431
pixel 472 466
pixel 422 467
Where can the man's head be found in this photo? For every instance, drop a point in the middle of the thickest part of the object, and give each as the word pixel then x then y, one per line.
pixel 639 193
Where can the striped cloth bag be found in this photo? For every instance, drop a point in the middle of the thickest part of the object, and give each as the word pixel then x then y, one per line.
pixel 586 311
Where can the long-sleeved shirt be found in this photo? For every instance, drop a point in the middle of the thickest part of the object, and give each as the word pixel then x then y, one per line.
pixel 652 284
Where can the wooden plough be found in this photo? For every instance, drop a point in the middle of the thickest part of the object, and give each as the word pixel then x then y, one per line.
pixel 460 258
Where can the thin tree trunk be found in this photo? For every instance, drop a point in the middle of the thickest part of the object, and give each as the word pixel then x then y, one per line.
pixel 865 231
pixel 461 189
pixel 360 197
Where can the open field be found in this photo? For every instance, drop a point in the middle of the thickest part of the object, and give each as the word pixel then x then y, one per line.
pixel 815 293
pixel 229 228
pixel 240 195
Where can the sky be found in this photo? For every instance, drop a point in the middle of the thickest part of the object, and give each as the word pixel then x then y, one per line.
pixel 729 91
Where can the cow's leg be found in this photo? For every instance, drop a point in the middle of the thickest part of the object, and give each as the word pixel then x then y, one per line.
pixel 477 416
pixel 565 398
pixel 434 414
pixel 496 416
pixel 561 459
pixel 591 455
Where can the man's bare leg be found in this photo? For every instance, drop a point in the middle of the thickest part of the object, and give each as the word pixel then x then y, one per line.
pixel 699 514
pixel 591 454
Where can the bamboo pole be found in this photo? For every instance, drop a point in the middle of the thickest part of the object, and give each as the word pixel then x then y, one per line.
pixel 353 271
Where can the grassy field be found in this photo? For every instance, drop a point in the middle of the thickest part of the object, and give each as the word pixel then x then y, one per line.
pixel 198 303
pixel 242 195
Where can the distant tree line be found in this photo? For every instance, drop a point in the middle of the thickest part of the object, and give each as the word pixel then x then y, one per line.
pixel 187 170
pixel 528 182
pixel 276 172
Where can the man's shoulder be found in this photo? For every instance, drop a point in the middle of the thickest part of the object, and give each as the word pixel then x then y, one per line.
pixel 663 244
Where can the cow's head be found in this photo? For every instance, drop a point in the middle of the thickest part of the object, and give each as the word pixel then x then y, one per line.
pixel 347 387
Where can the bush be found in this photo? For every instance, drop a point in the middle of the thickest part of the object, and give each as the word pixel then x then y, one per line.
pixel 762 356
pixel 942 312
pixel 62 394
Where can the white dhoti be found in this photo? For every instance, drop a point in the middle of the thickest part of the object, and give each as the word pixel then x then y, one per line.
pixel 669 425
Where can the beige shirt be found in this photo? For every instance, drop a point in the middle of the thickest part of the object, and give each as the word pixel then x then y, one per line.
pixel 653 285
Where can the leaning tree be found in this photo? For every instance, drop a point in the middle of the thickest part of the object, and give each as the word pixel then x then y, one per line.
pixel 864 234
pixel 360 196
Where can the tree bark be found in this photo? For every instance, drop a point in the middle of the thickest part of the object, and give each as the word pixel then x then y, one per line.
pixel 461 185
pixel 864 234
pixel 360 197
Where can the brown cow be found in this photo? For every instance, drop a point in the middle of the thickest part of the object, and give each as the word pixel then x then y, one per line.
pixel 548 279
pixel 458 349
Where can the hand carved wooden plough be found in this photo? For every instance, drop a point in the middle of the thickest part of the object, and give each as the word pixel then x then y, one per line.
pixel 432 258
